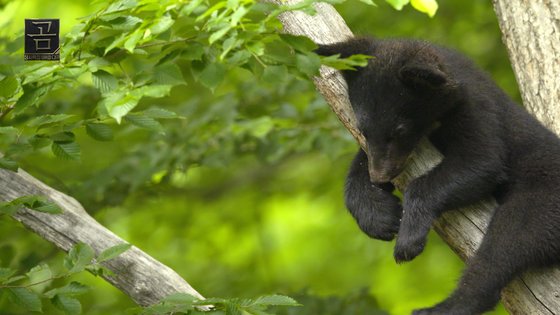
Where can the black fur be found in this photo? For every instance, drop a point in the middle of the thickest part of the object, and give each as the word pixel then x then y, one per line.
pixel 490 146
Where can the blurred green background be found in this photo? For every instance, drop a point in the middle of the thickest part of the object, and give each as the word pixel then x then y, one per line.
pixel 255 212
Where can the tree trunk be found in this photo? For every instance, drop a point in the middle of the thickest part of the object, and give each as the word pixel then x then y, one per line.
pixel 531 32
pixel 535 292
pixel 138 275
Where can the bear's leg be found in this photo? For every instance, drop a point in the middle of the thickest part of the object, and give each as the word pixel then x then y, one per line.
pixel 515 240
pixel 376 210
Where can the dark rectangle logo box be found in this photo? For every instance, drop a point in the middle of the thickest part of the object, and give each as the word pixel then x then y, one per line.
pixel 42 39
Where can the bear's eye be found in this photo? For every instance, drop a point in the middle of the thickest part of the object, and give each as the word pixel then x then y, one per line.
pixel 400 130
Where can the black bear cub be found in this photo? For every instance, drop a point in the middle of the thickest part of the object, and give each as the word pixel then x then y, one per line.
pixel 491 146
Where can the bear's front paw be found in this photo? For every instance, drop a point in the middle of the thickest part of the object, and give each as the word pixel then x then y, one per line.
pixel 376 211
pixel 379 226
pixel 407 247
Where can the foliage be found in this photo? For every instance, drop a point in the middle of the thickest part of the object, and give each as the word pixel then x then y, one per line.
pixel 37 203
pixel 181 303
pixel 191 129
pixel 40 283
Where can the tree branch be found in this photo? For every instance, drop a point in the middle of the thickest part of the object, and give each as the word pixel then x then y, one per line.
pixel 137 274
pixel 535 292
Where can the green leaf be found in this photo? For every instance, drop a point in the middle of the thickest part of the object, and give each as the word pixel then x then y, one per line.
pixel 274 74
pixel 8 208
pixel 66 150
pixel 104 81
pixel 193 51
pixel 160 113
pixel 180 302
pixel 144 122
pixel 47 207
pixel 276 300
pixel 98 62
pixel 40 274
pixel 46 120
pixel 119 104
pixel 68 305
pixel 133 40
pixel 39 141
pixel 6 273
pixel 398 4
pixel 8 131
pixel 8 164
pixel 8 86
pixel 308 63
pixel 99 131
pixel 25 298
pixel 350 63
pixel 152 90
pixel 78 257
pixel 219 34
pixel 168 74
pixel 212 75
pixel 426 6
pixel 119 40
pixel 163 24
pixel 299 43
pixel 65 136
pixel 72 289
pixel 125 23
pixel 40 73
pixel 113 252
pixel 33 202
pixel 31 96
pixel 369 2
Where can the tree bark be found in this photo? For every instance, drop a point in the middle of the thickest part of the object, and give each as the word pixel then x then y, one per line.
pixel 531 32
pixel 535 292
pixel 137 274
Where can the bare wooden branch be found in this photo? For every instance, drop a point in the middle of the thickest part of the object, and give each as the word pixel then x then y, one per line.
pixel 535 292
pixel 137 274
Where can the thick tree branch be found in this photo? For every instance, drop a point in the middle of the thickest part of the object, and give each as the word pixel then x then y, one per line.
pixel 138 275
pixel 535 292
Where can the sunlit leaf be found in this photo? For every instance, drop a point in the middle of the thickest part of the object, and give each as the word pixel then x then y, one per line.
pixel 162 25
pixel 119 104
pixel 369 2
pixel 398 4
pixel 426 6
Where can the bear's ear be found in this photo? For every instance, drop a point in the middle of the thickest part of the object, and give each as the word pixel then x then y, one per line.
pixel 353 46
pixel 424 75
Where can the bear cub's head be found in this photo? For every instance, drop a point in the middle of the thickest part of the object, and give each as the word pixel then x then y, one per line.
pixel 397 97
